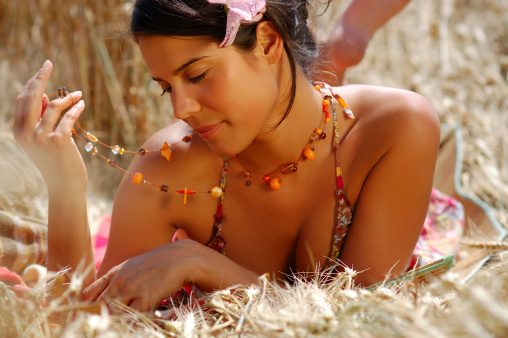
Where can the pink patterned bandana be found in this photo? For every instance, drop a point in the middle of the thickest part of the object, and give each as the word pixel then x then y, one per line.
pixel 240 11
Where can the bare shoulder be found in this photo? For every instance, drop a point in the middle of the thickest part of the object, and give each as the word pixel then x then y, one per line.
pixel 387 117
pixel 397 110
pixel 145 215
pixel 183 152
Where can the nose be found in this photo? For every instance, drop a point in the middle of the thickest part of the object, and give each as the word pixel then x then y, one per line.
pixel 184 104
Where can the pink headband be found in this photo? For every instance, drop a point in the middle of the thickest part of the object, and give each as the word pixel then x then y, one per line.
pixel 240 11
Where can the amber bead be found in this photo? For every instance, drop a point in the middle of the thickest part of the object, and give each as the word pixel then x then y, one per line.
pixel 318 131
pixel 95 151
pixel 318 88
pixel 91 137
pixel 112 163
pixel 322 136
pixel 137 178
pixel 309 154
pixel 142 151
pixel 166 151
pixel 294 168
pixel 187 138
pixel 216 192
pixel 266 178
pixel 121 151
pixel 247 173
pixel 248 183
pixel 164 188
pixel 73 130
pixel 326 103
pixel 275 183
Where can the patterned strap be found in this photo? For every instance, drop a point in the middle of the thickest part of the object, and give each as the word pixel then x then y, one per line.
pixel 343 211
pixel 216 241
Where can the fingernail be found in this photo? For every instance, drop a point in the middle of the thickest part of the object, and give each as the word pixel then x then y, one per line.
pixel 45 65
pixel 78 92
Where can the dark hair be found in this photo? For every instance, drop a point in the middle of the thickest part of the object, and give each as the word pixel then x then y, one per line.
pixel 200 18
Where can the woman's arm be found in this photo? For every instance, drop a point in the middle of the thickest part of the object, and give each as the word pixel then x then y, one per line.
pixel 346 45
pixel 143 281
pixel 142 266
pixel 390 210
pixel 55 154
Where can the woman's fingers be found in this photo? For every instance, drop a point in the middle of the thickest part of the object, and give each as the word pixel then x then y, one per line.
pixel 55 108
pixel 96 289
pixel 69 119
pixel 29 103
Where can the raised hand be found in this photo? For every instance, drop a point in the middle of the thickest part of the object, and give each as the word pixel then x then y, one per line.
pixel 48 144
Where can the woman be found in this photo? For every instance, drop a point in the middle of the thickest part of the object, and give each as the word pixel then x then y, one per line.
pixel 251 134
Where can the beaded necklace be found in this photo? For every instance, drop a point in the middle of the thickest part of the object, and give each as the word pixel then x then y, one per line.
pixel 272 180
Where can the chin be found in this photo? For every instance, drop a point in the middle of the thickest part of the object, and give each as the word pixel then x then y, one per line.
pixel 222 151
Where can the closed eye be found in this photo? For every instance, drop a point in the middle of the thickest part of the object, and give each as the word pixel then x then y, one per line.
pixel 164 91
pixel 198 78
pixel 192 80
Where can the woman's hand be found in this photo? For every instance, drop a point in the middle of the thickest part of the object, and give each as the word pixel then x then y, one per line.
pixel 143 281
pixel 52 149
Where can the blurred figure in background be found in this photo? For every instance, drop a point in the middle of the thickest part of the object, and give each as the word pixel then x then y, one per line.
pixel 348 40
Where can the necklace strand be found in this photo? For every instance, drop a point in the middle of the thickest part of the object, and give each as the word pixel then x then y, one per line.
pixel 273 180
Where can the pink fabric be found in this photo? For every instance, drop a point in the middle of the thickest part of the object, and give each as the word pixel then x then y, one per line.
pixel 100 241
pixel 240 11
pixel 441 231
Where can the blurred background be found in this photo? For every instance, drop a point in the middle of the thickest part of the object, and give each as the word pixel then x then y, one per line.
pixel 454 52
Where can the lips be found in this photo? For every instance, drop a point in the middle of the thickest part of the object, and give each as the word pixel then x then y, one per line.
pixel 207 131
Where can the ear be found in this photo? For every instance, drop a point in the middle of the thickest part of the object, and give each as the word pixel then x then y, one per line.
pixel 270 44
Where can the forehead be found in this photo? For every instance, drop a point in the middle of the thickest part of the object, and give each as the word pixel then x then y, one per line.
pixel 169 53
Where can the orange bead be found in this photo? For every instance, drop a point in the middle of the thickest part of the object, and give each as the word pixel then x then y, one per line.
pixel 166 151
pixel 275 183
pixel 318 131
pixel 137 178
pixel 318 88
pixel 326 103
pixel 308 153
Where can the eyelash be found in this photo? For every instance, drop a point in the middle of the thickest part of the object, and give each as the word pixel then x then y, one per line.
pixel 198 78
pixel 192 80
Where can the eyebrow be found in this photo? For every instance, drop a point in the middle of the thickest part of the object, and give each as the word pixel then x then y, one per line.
pixel 185 65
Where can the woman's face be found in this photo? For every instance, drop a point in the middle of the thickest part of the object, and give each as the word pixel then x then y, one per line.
pixel 228 97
